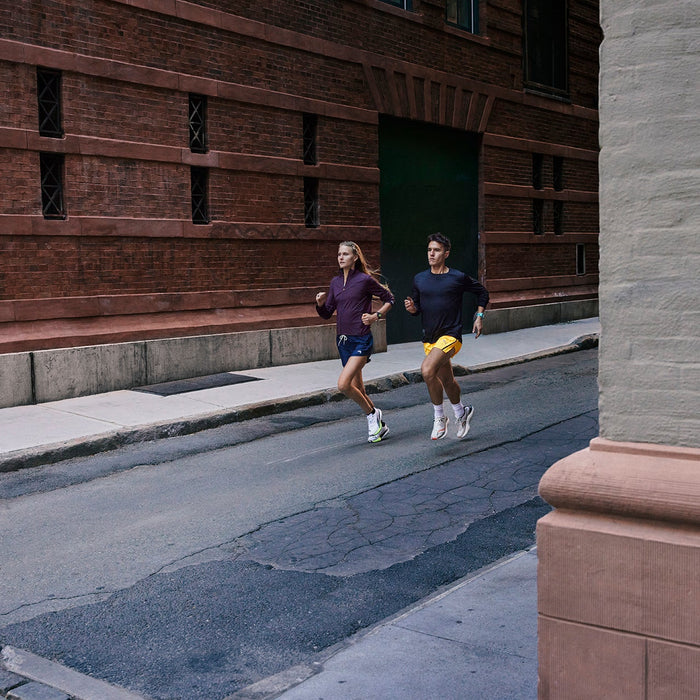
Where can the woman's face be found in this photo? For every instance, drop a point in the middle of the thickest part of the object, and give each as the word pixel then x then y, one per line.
pixel 346 257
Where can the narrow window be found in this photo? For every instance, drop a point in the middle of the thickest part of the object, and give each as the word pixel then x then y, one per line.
pixel 51 167
pixel 537 170
pixel 545 35
pixel 463 13
pixel 198 123
pixel 558 173
pixel 310 129
pixel 48 89
pixel 404 4
pixel 538 216
pixel 200 184
pixel 558 217
pixel 580 258
pixel 311 204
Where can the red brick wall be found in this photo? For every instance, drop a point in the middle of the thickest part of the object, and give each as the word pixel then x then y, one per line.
pixel 127 70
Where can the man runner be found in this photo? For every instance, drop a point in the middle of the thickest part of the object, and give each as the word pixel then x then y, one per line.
pixel 437 297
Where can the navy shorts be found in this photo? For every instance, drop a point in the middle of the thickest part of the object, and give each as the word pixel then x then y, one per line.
pixel 354 345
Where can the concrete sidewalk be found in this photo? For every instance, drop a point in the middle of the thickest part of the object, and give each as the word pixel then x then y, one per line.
pixel 49 432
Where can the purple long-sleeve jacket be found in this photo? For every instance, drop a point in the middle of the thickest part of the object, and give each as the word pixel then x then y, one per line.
pixel 351 300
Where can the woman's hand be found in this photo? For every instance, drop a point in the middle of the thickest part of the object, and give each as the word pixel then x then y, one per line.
pixel 369 319
pixel 321 298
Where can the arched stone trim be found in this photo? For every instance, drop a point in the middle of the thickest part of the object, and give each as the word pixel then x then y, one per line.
pixel 429 96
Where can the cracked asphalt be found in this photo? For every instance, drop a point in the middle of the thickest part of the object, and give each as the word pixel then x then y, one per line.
pixel 293 534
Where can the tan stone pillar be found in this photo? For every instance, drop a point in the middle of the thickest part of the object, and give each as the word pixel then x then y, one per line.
pixel 619 557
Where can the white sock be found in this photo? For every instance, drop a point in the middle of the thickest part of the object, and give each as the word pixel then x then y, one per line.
pixel 459 409
pixel 439 412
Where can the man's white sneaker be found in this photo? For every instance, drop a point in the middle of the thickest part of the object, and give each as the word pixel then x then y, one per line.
pixel 439 428
pixel 463 422
pixel 376 427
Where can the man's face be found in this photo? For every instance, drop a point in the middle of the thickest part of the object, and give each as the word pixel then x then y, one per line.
pixel 437 254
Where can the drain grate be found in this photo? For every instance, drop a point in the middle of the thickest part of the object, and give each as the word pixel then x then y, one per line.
pixel 182 386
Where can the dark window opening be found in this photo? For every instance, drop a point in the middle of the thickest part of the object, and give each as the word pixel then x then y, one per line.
pixel 558 218
pixel 48 89
pixel 463 13
pixel 198 123
pixel 311 203
pixel 546 60
pixel 404 4
pixel 558 173
pixel 580 258
pixel 199 178
pixel 537 160
pixel 538 216
pixel 51 167
pixel 310 135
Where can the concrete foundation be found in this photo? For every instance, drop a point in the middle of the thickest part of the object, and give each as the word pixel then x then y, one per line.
pixel 52 375
pixel 516 317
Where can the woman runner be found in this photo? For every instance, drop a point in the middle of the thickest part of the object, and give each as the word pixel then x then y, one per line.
pixel 350 294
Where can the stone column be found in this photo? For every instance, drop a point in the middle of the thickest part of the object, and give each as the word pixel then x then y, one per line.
pixel 619 556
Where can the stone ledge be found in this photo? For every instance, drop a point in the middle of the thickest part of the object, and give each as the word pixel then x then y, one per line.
pixel 623 479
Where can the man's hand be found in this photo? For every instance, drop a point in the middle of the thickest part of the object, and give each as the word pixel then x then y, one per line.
pixel 321 298
pixel 478 325
pixel 410 305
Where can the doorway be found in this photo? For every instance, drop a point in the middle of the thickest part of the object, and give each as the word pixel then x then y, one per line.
pixel 428 183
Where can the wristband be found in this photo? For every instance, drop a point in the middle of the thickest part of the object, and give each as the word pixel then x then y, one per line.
pixel 480 314
pixel 379 314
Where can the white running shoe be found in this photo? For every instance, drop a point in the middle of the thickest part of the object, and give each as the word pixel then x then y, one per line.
pixel 439 428
pixel 463 422
pixel 376 427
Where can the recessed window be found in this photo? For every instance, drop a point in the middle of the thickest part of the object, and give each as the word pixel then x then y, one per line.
pixel 51 167
pixel 404 4
pixel 538 217
pixel 545 33
pixel 199 178
pixel 311 203
pixel 558 217
pixel 580 258
pixel 310 134
pixel 48 90
pixel 198 123
pixel 558 173
pixel 463 13
pixel 537 160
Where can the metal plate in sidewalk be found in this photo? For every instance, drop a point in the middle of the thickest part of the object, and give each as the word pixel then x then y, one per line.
pixel 182 386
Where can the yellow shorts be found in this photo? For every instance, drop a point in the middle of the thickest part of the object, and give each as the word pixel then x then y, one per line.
pixel 446 343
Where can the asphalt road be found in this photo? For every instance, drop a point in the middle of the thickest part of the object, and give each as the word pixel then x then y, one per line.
pixel 193 567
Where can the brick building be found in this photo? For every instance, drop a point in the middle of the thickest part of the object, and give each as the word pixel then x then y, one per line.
pixel 178 169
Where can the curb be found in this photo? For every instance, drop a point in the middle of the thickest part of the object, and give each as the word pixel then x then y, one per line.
pixel 92 445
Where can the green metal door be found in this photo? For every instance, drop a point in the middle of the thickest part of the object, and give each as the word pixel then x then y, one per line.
pixel 428 183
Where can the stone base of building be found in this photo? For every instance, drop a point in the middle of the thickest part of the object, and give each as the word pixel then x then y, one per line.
pixel 513 318
pixel 619 573
pixel 52 375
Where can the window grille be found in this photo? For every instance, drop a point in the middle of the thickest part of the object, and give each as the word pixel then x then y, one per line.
pixel 580 258
pixel 310 131
pixel 538 217
pixel 48 89
pixel 558 173
pixel 198 123
pixel 558 218
pixel 51 167
pixel 463 13
pixel 537 170
pixel 200 185
pixel 311 203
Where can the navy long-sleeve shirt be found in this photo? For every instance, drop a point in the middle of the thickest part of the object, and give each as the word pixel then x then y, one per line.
pixel 351 300
pixel 438 298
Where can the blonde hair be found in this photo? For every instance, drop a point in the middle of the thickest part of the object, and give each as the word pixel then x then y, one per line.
pixel 361 262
